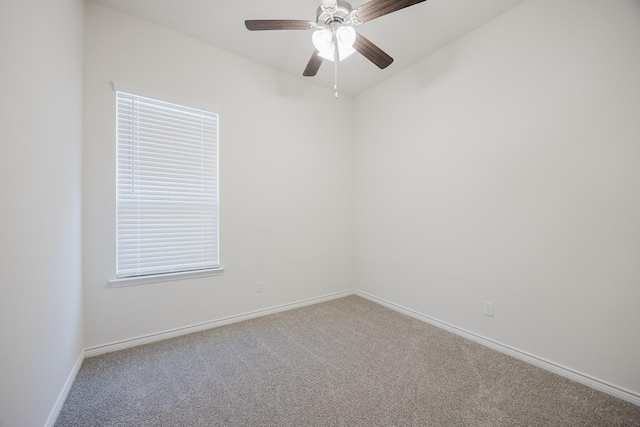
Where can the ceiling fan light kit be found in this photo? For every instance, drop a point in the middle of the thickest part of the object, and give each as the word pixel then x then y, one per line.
pixel 335 37
pixel 325 41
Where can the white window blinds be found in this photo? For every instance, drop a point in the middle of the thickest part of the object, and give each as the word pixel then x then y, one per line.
pixel 167 189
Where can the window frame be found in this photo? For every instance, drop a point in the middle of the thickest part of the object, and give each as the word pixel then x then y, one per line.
pixel 177 275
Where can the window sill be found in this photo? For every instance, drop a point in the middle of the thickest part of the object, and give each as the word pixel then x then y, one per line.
pixel 170 277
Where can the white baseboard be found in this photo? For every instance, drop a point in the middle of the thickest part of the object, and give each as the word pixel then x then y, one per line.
pixel 146 339
pixel 571 374
pixel 55 411
pixel 563 371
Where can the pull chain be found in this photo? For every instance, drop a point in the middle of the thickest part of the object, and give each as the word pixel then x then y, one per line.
pixel 335 67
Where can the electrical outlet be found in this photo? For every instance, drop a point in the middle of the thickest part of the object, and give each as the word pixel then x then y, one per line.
pixel 487 308
pixel 259 286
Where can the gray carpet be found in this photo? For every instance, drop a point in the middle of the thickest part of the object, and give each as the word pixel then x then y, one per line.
pixel 346 362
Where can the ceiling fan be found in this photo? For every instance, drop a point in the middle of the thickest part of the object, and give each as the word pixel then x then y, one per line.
pixel 335 37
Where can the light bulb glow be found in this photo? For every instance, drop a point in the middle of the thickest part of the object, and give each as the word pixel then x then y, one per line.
pixel 346 35
pixel 328 52
pixel 322 39
pixel 345 51
pixel 325 44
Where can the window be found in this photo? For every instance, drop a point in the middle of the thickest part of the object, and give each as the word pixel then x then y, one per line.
pixel 167 186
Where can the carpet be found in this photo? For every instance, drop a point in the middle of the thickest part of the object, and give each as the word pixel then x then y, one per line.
pixel 345 362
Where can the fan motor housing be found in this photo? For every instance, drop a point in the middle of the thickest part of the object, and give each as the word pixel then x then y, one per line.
pixel 326 17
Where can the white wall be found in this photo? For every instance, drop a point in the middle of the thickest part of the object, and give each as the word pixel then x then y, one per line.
pixel 40 192
pixel 506 168
pixel 286 180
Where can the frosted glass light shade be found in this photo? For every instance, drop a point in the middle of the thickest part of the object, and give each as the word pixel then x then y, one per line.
pixel 322 40
pixel 328 53
pixel 324 43
pixel 345 36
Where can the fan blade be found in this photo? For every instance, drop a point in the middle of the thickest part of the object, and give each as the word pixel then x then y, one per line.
pixel 377 8
pixel 372 52
pixel 313 65
pixel 277 24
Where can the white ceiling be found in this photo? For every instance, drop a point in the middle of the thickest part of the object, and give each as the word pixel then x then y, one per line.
pixel 407 35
